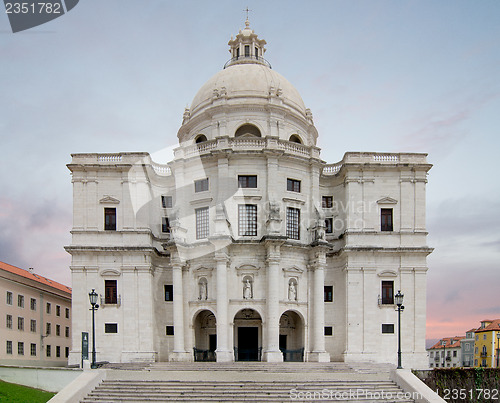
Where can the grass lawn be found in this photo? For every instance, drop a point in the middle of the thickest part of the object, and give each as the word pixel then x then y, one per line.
pixel 12 393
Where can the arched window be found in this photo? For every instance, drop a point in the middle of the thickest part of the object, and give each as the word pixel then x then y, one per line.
pixel 247 130
pixel 201 138
pixel 295 139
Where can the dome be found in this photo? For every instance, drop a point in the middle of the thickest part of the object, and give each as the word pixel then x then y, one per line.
pixel 252 80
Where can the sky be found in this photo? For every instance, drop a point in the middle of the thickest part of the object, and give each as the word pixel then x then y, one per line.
pixel 378 75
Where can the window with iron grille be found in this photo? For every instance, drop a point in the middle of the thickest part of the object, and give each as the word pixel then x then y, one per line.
pixel 9 298
pixel 33 349
pixel 327 201
pixel 110 292
pixel 165 225
pixel 329 225
pixel 166 201
pixel 386 219
pixel 328 297
pixel 293 185
pixel 293 223
pixel 247 181
pixel 20 301
pixel 202 223
pixel 387 328
pixel 33 304
pixel 20 348
pixel 33 325
pixel 247 220
pixel 9 347
pixel 20 323
pixel 110 219
pixel 169 292
pixel 201 185
pixel 9 322
pixel 388 292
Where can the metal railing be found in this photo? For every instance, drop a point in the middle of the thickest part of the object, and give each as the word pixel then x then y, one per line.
pixel 249 57
pixel 247 354
pixel 293 355
pixel 204 355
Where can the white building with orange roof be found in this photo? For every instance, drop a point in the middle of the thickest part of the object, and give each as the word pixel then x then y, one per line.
pixel 36 326
pixel 446 353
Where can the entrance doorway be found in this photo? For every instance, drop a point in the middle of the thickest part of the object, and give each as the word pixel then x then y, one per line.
pixel 205 336
pixel 247 336
pixel 291 337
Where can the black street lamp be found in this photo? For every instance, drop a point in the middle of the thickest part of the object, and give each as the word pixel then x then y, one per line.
pixel 498 346
pixel 398 299
pixel 93 301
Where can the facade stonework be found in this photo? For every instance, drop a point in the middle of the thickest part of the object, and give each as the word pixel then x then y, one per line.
pixel 247 246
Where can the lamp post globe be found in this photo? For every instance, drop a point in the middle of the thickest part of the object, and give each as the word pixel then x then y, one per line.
pixel 398 299
pixel 93 302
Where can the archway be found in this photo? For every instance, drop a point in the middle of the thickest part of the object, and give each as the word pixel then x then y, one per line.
pixel 292 336
pixel 247 335
pixel 294 138
pixel 205 336
pixel 247 130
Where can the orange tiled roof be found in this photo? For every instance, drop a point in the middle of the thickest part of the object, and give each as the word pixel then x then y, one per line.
pixel 34 277
pixel 494 325
pixel 448 344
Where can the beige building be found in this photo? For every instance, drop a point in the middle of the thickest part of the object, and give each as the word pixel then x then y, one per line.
pixel 36 326
pixel 247 245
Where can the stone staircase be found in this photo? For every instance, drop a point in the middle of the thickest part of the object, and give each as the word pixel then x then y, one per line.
pixel 247 382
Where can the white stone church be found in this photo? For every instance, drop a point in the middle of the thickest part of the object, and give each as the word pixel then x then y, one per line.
pixel 248 246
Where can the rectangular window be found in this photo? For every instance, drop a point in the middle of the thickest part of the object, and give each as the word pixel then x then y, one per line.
pixel 387 328
pixel 202 228
pixel 454 353
pixel 327 201
pixel 8 321
pixel 9 298
pixel 20 348
pixel 66 352
pixel 169 331
pixel 49 308
pixel 293 223
pixel 33 304
pixel 169 292
pixel 165 225
pixel 166 201
pixel 386 219
pixel 247 50
pixel 110 219
pixel 329 225
pixel 58 310
pixel 20 323
pixel 388 292
pixel 20 301
pixel 328 297
pixel 48 351
pixel 58 330
pixel 66 331
pixel 9 347
pixel 33 349
pixel 247 181
pixel 48 329
pixel 111 328
pixel 293 185
pixel 33 325
pixel 328 331
pixel 201 185
pixel 67 313
pixel 58 351
pixel 247 220
pixel 110 292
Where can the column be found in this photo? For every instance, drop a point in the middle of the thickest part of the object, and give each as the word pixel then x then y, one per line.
pixel 222 352
pixel 318 353
pixel 179 353
pixel 272 352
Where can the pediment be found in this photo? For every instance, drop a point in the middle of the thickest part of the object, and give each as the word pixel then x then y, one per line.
pixel 110 272
pixel 203 270
pixel 387 200
pixel 247 268
pixel 293 270
pixel 109 200
pixel 388 273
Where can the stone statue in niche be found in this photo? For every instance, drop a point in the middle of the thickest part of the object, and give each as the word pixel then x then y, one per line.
pixel 292 291
pixel 203 291
pixel 247 289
